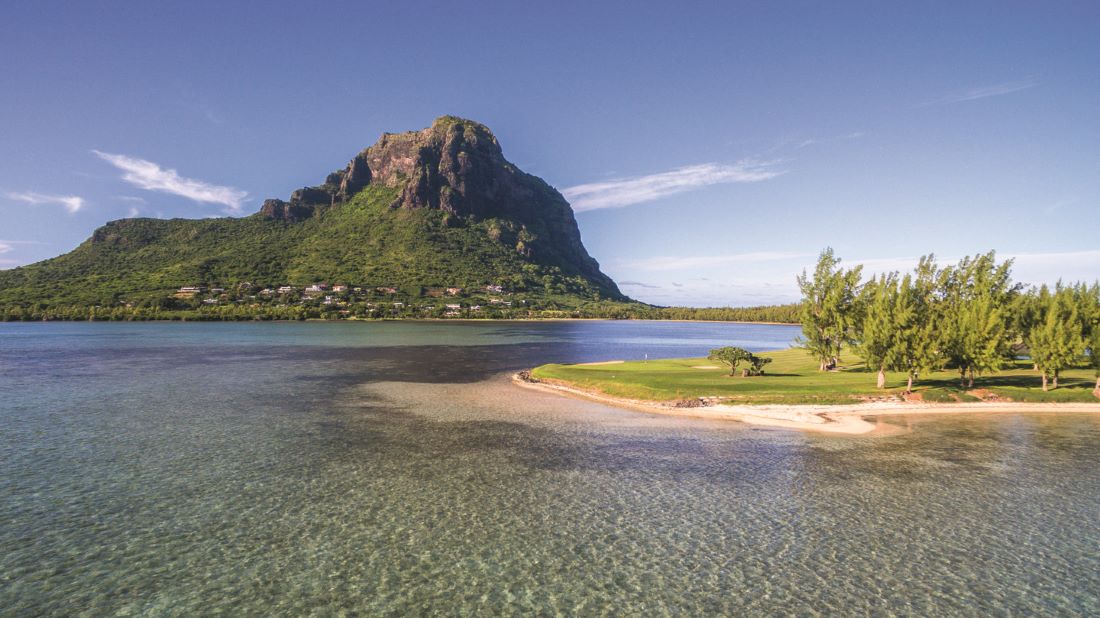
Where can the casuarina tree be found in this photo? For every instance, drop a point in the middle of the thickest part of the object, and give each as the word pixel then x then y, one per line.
pixel 877 336
pixel 973 315
pixel 829 311
pixel 1056 339
pixel 1091 315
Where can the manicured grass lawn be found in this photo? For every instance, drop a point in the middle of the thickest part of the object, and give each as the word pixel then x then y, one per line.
pixel 793 378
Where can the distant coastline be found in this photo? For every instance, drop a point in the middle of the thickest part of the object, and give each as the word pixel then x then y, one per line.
pixel 89 315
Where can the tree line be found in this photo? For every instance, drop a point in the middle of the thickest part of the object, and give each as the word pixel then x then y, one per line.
pixel 167 308
pixel 970 317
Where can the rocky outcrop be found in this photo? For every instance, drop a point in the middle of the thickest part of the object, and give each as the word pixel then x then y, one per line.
pixel 457 166
pixel 285 211
pixel 303 204
pixel 353 178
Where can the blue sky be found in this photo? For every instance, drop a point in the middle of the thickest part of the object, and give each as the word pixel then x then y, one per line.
pixel 710 149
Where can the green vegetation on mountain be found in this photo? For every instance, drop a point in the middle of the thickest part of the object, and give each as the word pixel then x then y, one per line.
pixel 360 241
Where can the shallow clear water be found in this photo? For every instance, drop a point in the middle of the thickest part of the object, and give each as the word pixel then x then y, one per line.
pixel 391 468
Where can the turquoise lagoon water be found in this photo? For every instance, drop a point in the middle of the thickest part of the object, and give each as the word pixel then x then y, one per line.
pixel 392 469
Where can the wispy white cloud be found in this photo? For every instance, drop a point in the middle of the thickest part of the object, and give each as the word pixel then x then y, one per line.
pixel 796 142
pixel 7 246
pixel 152 177
pixel 669 263
pixel 627 191
pixel 133 212
pixel 1037 268
pixel 718 293
pixel 131 198
pixel 983 92
pixel 72 203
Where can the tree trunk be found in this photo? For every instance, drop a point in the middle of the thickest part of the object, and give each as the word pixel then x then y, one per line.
pixel 1096 391
pixel 881 382
pixel 1055 378
pixel 1044 381
pixel 962 377
pixel 909 386
pixel 970 379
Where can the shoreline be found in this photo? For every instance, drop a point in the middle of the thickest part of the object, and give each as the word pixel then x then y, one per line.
pixel 393 319
pixel 846 419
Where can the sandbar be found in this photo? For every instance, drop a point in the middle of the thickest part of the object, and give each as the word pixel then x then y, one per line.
pixel 847 419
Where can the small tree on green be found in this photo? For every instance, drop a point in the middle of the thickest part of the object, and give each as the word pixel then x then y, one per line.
pixel 731 356
pixel 829 311
pixel 1056 339
pixel 756 364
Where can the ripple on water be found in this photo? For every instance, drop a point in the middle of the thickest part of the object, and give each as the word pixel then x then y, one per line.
pixel 307 482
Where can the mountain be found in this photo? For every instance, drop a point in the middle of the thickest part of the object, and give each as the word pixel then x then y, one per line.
pixel 416 211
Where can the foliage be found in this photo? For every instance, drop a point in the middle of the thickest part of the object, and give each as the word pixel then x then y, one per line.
pixel 829 311
pixel 778 314
pixel 729 355
pixel 877 339
pixel 757 363
pixel 897 333
pixel 1058 335
pixel 1090 313
pixel 915 328
pixel 734 356
pixel 363 240
pixel 973 317
pixel 970 317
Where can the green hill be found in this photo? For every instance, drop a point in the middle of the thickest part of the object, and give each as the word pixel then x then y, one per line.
pixel 418 212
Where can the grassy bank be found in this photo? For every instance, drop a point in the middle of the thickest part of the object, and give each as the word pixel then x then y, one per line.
pixel 793 378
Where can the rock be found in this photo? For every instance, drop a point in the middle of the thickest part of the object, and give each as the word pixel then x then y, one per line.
pixel 311 195
pixel 694 402
pixel 457 166
pixel 285 211
pixel 354 177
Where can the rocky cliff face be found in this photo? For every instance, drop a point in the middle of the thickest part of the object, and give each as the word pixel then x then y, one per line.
pixel 457 166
